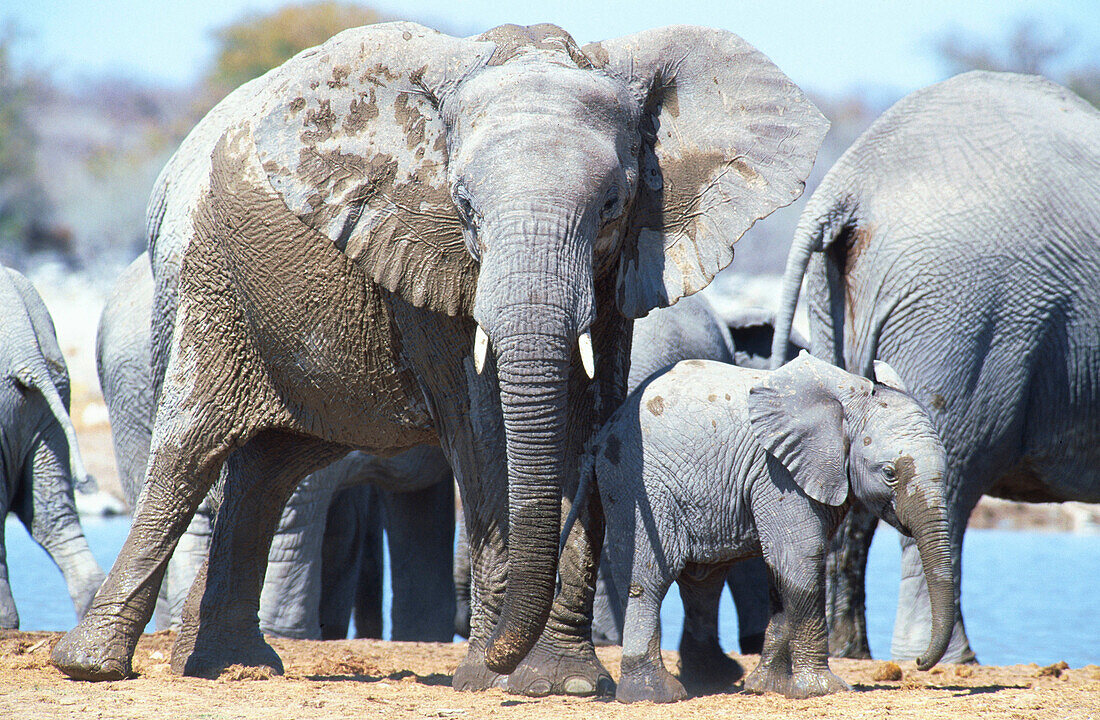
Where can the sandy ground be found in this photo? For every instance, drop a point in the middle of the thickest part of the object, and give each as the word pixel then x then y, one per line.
pixel 367 678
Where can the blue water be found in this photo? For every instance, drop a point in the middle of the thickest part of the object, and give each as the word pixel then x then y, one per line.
pixel 1027 596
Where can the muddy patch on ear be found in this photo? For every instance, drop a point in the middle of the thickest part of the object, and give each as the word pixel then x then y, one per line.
pixel 656 405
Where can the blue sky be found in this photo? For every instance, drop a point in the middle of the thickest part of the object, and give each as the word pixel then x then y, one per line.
pixel 825 46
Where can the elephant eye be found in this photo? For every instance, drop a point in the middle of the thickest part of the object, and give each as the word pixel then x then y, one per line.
pixel 610 205
pixel 464 207
pixel 890 475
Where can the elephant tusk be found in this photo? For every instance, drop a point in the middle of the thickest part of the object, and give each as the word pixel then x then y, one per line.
pixel 481 348
pixel 584 344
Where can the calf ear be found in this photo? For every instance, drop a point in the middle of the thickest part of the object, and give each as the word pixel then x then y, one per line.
pixel 796 413
pixel 888 376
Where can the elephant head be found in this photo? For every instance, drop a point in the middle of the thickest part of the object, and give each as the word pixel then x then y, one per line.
pixel 841 435
pixel 502 177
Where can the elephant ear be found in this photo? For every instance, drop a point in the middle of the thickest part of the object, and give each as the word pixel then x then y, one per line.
pixel 728 138
pixel 889 377
pixel 797 413
pixel 350 135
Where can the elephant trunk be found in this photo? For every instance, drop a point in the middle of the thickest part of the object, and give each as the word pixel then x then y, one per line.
pixel 924 513
pixel 535 300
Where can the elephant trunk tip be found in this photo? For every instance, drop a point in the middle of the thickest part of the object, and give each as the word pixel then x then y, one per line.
pixel 506 651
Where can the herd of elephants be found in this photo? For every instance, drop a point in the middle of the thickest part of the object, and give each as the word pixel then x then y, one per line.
pixel 404 260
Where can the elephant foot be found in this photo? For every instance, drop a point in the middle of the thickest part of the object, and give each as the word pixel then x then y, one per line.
pixel 848 640
pixel 473 675
pixel 95 650
pixel 644 679
pixel 553 671
pixel 212 651
pixel 799 685
pixel 704 668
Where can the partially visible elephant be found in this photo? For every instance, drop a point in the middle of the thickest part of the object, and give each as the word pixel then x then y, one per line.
pixel 958 239
pixel 330 531
pixel 40 462
pixel 338 245
pixel 708 464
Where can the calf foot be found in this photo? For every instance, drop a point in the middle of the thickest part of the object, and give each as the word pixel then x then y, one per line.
pixel 643 679
pixel 549 670
pixel 704 668
pixel 816 682
pixel 473 674
pixel 801 684
pixel 211 651
pixel 95 650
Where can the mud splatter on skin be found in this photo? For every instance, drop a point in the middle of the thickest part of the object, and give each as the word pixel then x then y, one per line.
pixel 656 405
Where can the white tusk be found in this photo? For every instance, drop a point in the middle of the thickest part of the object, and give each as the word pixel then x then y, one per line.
pixel 584 344
pixel 481 347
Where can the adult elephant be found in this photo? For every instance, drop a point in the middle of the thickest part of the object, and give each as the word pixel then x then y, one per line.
pixel 328 239
pixel 326 553
pixel 40 462
pixel 958 239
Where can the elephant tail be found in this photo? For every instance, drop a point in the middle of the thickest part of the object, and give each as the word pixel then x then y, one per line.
pixel 584 486
pixel 41 381
pixel 816 232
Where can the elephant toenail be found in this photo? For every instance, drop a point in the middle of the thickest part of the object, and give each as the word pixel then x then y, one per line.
pixel 578 686
pixel 539 688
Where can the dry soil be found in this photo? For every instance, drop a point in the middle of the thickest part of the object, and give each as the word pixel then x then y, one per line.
pixel 367 678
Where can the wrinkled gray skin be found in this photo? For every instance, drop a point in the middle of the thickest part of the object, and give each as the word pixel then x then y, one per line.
pixel 692 330
pixel 39 460
pixel 707 464
pixel 959 240
pixel 324 245
pixel 328 542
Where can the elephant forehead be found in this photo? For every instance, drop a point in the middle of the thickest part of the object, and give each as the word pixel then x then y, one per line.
pixel 534 87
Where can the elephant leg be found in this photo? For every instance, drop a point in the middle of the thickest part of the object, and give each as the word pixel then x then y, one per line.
pixel 845 579
pixel 644 675
pixel 420 534
pixel 48 511
pixel 181 471
pixel 344 546
pixel 187 560
pixel 221 617
pixel 563 661
pixel 462 579
pixel 795 659
pixel 913 622
pixel 704 667
pixel 748 584
pixel 607 613
pixel 292 592
pixel 9 616
pixel 371 570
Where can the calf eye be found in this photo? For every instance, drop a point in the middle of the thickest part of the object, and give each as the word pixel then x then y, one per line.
pixel 890 475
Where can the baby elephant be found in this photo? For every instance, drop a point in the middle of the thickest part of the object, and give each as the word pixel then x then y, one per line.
pixel 708 464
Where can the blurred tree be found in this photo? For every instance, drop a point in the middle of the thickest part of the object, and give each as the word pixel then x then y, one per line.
pixel 1029 47
pixel 254 44
pixel 21 199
